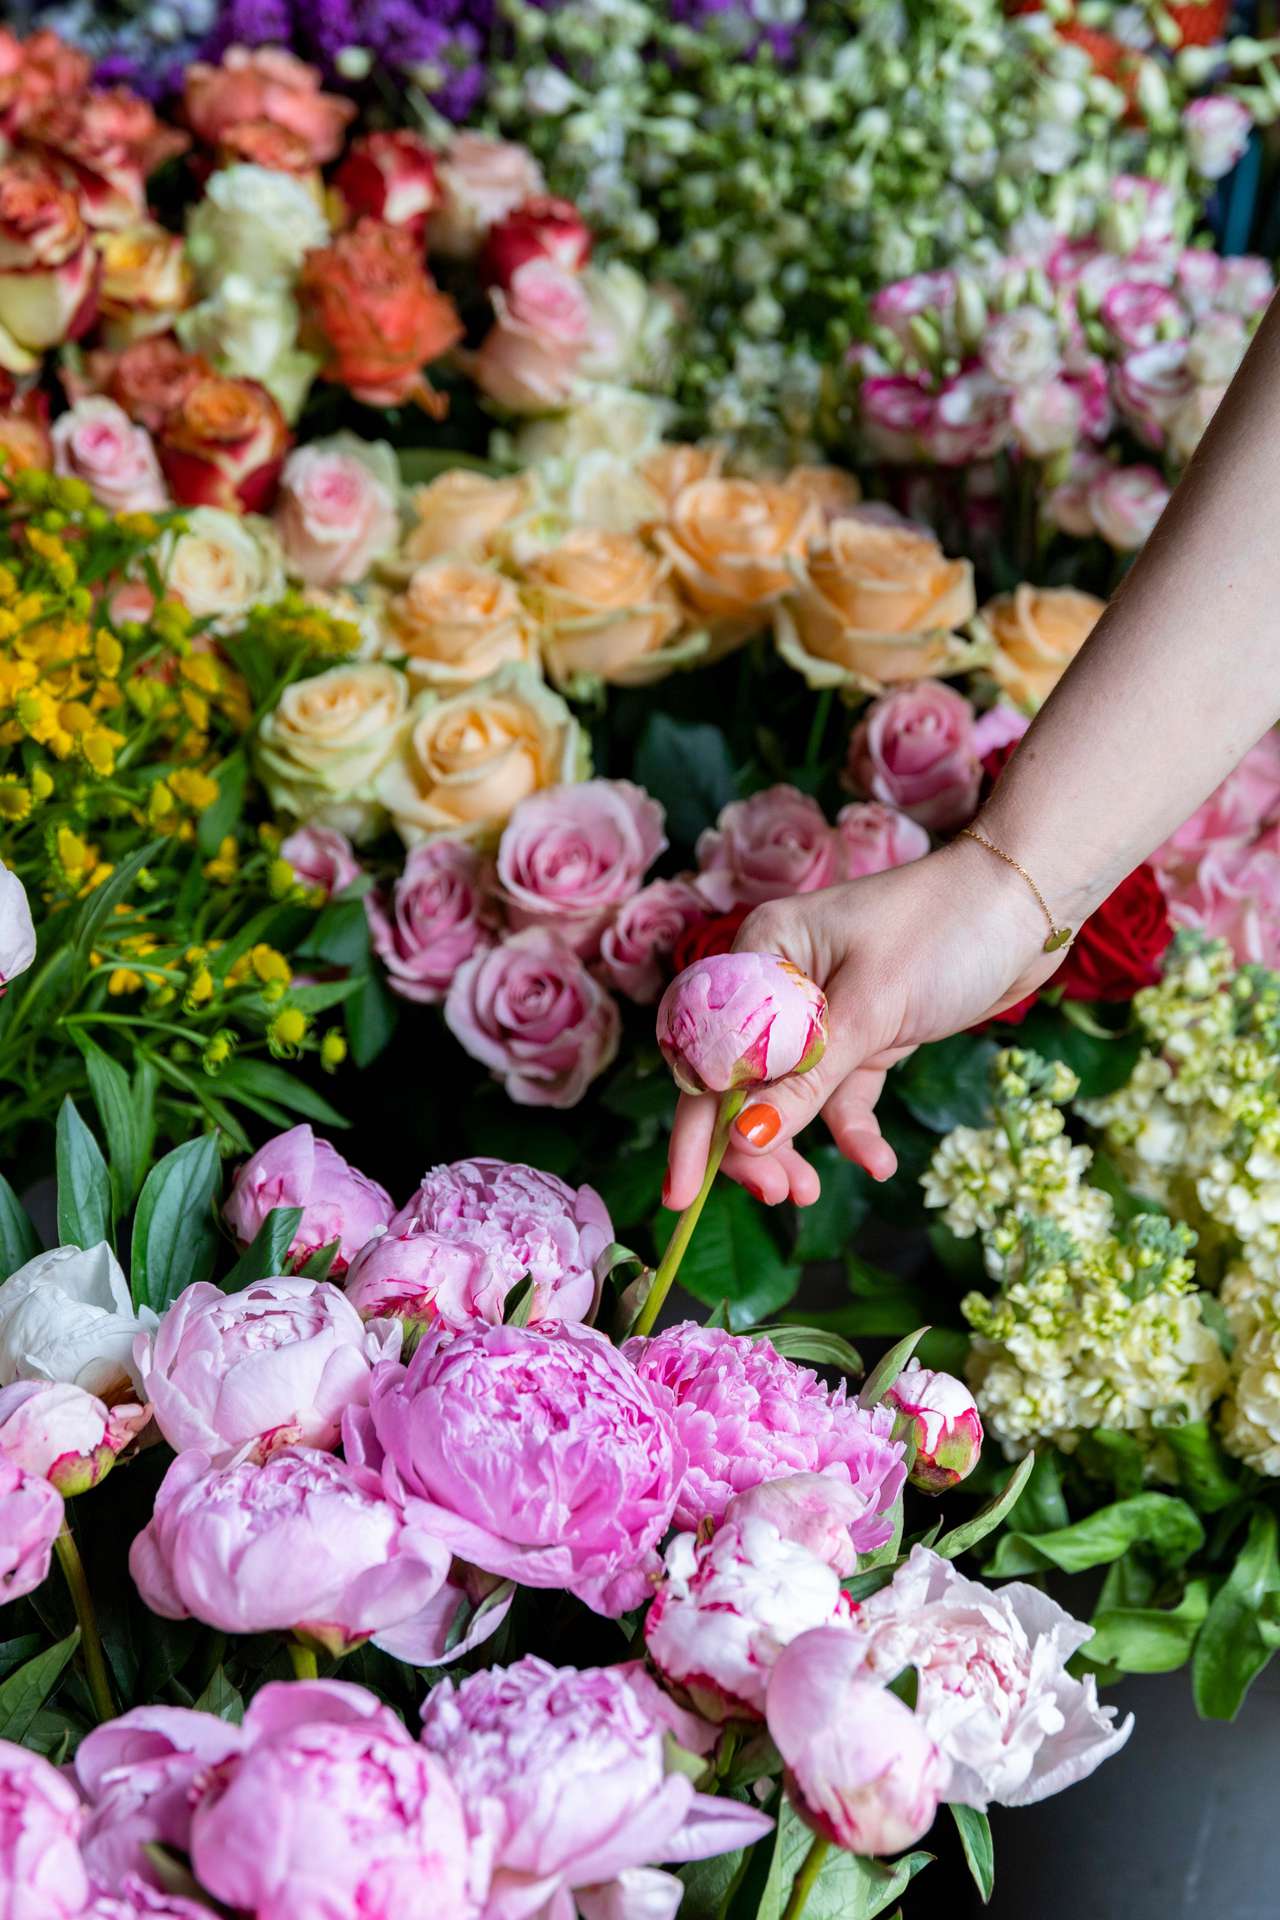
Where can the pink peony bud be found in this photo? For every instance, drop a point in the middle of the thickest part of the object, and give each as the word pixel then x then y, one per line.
pixel 947 1424
pixel 298 1170
pixel 740 1019
pixel 30 1522
pixel 42 1876
pixel 819 1511
pixel 64 1433
pixel 419 1277
pixel 136 1775
pixel 861 1767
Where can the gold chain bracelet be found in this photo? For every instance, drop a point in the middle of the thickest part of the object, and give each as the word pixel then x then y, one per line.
pixel 1057 936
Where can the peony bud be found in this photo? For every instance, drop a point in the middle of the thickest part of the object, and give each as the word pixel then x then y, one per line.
pixel 948 1429
pixel 30 1522
pixel 740 1019
pixel 52 1428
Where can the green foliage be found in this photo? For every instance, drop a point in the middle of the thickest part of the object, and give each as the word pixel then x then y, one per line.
pixel 175 1237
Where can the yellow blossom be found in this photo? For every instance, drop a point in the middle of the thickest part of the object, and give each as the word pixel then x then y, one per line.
pixel 15 799
pixel 270 966
pixel 108 653
pixel 193 788
pixel 287 1031
pixel 333 1050
pixel 223 865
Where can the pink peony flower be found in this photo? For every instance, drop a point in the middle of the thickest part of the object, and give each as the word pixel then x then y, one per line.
pixel 744 1414
pixel 862 1769
pixel 42 1876
pixel 994 1692
pixel 324 859
pixel 532 1013
pixel 775 844
pixel 335 516
pixel 30 1522
pixel 95 441
pixel 563 1776
pixel 136 1774
pixel 538 1454
pixel 948 1428
pixel 1125 503
pixel 1216 130
pixel 332 1810
pixel 437 916
pixel 65 1434
pixel 137 1901
pixel 570 856
pixel 914 749
pixel 819 1511
pixel 740 1019
pixel 876 838
pixel 419 1277
pixel 727 1608
pixel 528 361
pixel 295 1169
pixel 273 1366
pixel 637 945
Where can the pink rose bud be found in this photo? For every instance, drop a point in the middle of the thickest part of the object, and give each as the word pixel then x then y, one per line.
pixel 948 1427
pixel 437 915
pixel 136 1774
pixel 391 176
pixel 30 1522
pixel 739 1020
pixel 298 1170
pixel 321 858
pixel 542 228
pixel 41 1873
pixel 913 749
pixel 64 1433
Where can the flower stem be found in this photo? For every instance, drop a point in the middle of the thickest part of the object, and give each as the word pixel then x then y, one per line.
pixel 95 1660
pixel 809 1871
pixel 731 1105
pixel 304 1661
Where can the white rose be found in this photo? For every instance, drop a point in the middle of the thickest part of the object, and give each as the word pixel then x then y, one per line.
pixel 221 564
pixel 17 933
pixel 67 1315
pixel 614 420
pixel 326 740
pixel 632 328
pixel 249 331
pixel 255 222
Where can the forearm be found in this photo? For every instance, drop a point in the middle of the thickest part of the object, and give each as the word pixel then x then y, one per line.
pixel 1180 676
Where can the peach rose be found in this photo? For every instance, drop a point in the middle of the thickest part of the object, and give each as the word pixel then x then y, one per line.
pixel 150 379
pixel 265 83
pixel 97 442
pixel 730 543
pixel 481 181
pixel 391 176
pixel 146 280
pixel 48 267
pixel 457 622
pixel 461 511
pixel 871 605
pixel 606 610
pixel 35 71
pixel 223 445
pixel 336 510
pixel 833 491
pixel 326 741
pixel 467 761
pixel 674 465
pixel 373 312
pixel 528 361
pixel 261 143
pixel 1037 633
pixel 104 146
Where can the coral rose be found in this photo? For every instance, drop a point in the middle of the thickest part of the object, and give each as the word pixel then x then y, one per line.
pixel 223 445
pixel 605 609
pixel 528 361
pixel 336 512
pixel 530 1011
pixel 436 916
pixel 265 83
pixel 97 442
pixel 150 378
pixel 481 181
pixel 1037 633
pixel 457 622
pixel 103 146
pixel 571 856
pixel 730 543
pixel 914 749
pixel 327 740
pixel 372 311
pixel 391 176
pixel 48 266
pixel 461 511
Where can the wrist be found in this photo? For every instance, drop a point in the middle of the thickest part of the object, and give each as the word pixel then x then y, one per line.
pixel 1005 908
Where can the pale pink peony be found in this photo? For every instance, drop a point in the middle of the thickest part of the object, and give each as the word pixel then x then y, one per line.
pixel 740 1019
pixel 535 1453
pixel 137 1774
pixel 275 1365
pixel 914 749
pixel 532 1013
pixel 52 1428
pixel 768 847
pixel 42 1876
pixel 570 856
pixel 418 1277
pixel 30 1522
pixel 876 837
pixel 334 516
pixel 994 1691
pixel 97 442
pixel 528 362
pixel 322 859
pixel 135 1900
pixel 636 946
pixel 948 1427
pixel 563 1776
pixel 295 1169
pixel 437 915
pixel 745 1414
pixel 861 1768
pixel 1125 503
pixel 820 1511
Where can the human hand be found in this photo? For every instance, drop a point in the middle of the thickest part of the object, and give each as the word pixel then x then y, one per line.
pixel 911 955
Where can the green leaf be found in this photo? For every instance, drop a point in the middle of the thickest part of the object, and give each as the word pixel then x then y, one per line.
pixel 959 1540
pixel 14 1652
pixel 1204 1474
pixel 217 821
pixel 1042 1505
pixel 1102 1065
pixel 175 1240
pixel 849 1887
pixel 1231 1649
pixel 319 1265
pixel 24 1693
pixel 1115 1456
pixel 265 1258
pixel 687 767
pixel 340 936
pixel 733 1256
pixel 262 1079
pixel 103 901
pixel 707 1884
pixel 221 1699
pixel 815 1344
pixel 1159 1521
pixel 19 1241
pixel 113 1097
pixel 888 1367
pixel 825 1231
pixel 975 1838
pixel 947 1083
pixel 370 1018
pixel 1148 1639
pixel 519 1303
pixel 84 1185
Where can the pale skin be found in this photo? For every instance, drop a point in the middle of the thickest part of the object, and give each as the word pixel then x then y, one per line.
pixel 1177 681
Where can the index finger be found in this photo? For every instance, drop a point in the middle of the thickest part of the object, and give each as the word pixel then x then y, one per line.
pixel 695 1123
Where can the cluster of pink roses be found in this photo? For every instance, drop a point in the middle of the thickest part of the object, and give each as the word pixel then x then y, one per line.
pixel 1220 872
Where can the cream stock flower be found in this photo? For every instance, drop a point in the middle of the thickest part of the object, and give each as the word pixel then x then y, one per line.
pixel 456 622
pixel 606 611
pixel 323 745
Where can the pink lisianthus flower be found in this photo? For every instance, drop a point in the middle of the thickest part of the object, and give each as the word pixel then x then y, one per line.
pixel 41 1873
pixel 136 1774
pixel 30 1522
pixel 297 1170
pixel 876 837
pixel 1140 312
pixel 322 859
pixel 643 935
pixel 563 1776
pixel 766 848
pixel 570 856
pixel 970 420
pixel 67 1435
pixel 437 915
pixel 897 416
pixel 913 749
pixel 1125 503
pixel 948 1427
pixel 745 1414
pixel 740 1019
pixel 1216 129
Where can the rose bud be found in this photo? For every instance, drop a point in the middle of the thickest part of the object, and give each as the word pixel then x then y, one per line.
pixel 740 1019
pixel 948 1428
pixel 64 1433
pixel 48 266
pixel 373 312
pixel 861 1767
pixel 391 176
pixel 296 1170
pixel 223 445
pixel 542 228
pixel 30 1522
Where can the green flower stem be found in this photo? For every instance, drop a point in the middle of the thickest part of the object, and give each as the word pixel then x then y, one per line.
pixel 304 1661
pixel 809 1871
pixel 731 1105
pixel 95 1660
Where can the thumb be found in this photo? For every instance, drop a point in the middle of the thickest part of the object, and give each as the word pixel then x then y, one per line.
pixel 782 1109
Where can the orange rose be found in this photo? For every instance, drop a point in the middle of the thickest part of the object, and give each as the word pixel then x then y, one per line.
pixel 457 622
pixel 261 143
pixel 606 609
pixel 35 71
pixel 1037 633
pixel 874 604
pixel 148 379
pixel 372 310
pixel 223 446
pixel 729 543
pixel 461 511
pixel 48 267
pixel 103 146
pixel 24 431
pixel 265 83
pixel 146 279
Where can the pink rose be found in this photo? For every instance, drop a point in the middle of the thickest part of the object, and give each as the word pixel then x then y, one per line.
pixel 136 1774
pixel 1232 894
pixel 542 228
pixel 739 1020
pixel 95 441
pixel 528 361
pixel 334 515
pixel 41 1873
pixel 1140 312
pixel 1000 726
pixel 481 181
pixel 275 1365
pixel 570 856
pixel 535 1453
pixel 1152 383
pixel 322 859
pixel 876 838
pixel 637 945
pixel 948 1428
pixel 1216 130
pixel 52 1428
pixel 914 749
pixel 296 1169
pixel 438 915
pixel 1125 503
pixel 862 1769
pixel 532 1013
pixel 970 420
pixel 896 415
pixel 30 1522
pixel 391 176
pixel 772 845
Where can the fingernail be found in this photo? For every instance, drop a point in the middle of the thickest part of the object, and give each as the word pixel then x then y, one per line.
pixel 755 1192
pixel 666 1190
pixel 758 1125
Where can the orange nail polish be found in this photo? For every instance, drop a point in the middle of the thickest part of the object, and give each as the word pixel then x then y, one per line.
pixel 758 1125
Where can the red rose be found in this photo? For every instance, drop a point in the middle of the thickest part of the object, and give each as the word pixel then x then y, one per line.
pixel 1119 947
pixel 542 228
pixel 391 176
pixel 707 937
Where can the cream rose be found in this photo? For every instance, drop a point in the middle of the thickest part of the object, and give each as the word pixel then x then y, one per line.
pixel 633 328
pixel 730 543
pixel 221 564
pixel 466 762
pixel 456 622
pixel 1037 633
pixel 249 331
pixel 871 605
pixel 256 222
pixel 146 280
pixel 481 181
pixel 322 747
pixel 460 512
pixel 606 611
